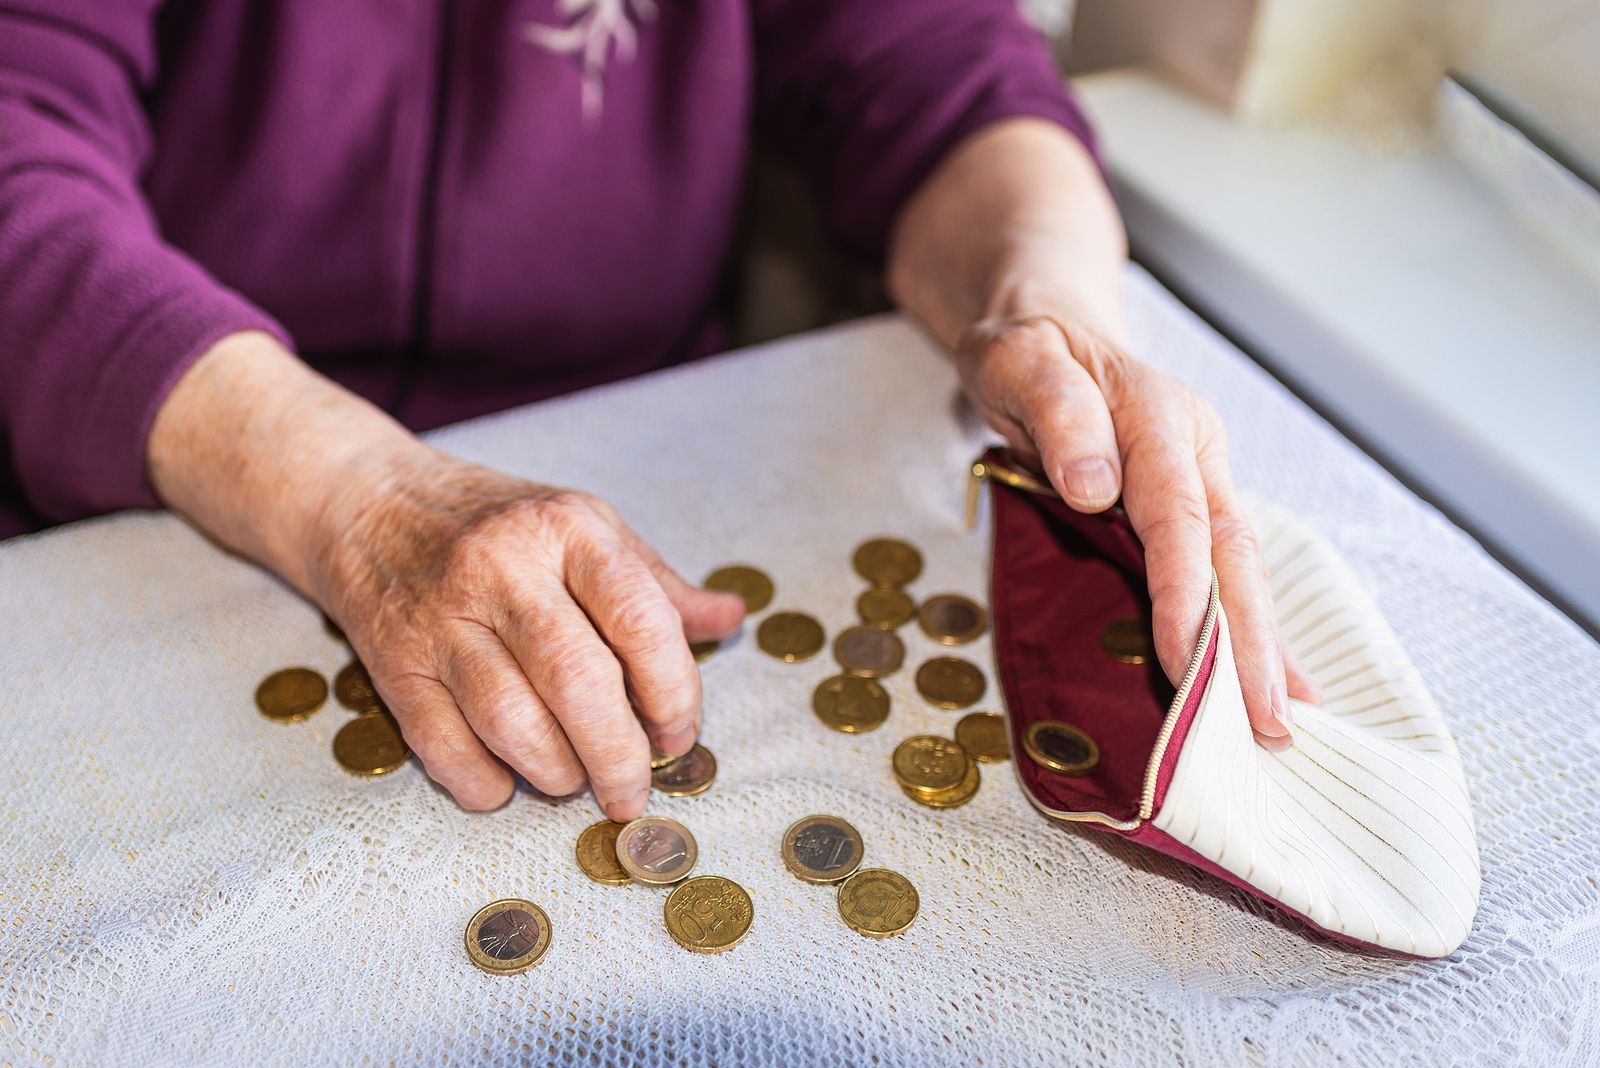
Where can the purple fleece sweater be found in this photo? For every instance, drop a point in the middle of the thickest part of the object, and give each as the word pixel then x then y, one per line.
pixel 451 207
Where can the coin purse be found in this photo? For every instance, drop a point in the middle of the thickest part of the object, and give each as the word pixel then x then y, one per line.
pixel 1362 828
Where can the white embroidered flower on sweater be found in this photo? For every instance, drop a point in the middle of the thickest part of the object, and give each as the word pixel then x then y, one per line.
pixel 594 27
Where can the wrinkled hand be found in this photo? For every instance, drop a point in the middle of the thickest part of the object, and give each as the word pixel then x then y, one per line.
pixel 507 624
pixel 1100 425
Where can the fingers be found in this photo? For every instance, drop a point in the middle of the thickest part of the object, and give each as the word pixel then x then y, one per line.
pixel 501 705
pixel 1166 502
pixel 617 591
pixel 436 731
pixel 580 681
pixel 1241 578
pixel 1059 407
pixel 706 614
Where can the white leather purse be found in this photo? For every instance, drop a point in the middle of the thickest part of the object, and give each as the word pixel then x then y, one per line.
pixel 1363 828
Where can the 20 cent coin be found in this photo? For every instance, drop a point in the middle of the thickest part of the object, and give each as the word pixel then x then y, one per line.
pixel 878 902
pixel 950 682
pixel 291 694
pixel 790 636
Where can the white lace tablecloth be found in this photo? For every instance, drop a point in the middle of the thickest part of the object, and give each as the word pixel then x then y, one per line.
pixel 183 881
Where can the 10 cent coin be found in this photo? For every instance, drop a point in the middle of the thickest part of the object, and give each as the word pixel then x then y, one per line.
pixel 370 744
pixel 983 736
pixel 597 854
pixel 291 694
pixel 950 682
pixel 708 914
pixel 887 562
pixel 752 586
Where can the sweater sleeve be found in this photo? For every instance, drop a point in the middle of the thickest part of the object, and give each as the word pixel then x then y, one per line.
pixel 98 316
pixel 867 96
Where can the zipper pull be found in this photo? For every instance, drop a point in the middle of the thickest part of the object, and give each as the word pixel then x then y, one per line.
pixel 975 479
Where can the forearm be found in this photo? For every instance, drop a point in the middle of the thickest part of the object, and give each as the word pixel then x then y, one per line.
pixel 1015 222
pixel 266 456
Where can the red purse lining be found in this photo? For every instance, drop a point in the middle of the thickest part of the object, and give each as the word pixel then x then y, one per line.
pixel 1059 577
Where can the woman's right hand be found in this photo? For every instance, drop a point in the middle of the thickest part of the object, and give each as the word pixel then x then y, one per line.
pixel 508 625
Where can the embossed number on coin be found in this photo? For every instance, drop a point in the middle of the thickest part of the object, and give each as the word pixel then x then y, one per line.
pixel 822 849
pixel 878 902
pixel 708 914
pixel 657 851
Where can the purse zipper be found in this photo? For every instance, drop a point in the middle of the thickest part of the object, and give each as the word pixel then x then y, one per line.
pixel 982 470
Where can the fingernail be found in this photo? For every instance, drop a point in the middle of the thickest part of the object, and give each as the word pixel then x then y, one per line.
pixel 626 809
pixel 1280 708
pixel 1091 481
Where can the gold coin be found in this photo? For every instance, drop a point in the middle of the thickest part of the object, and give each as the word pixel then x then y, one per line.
pixel 850 703
pixel 597 854
pixel 983 736
pixel 878 902
pixel 1061 747
pixel 658 759
pixel 790 636
pixel 353 687
pixel 656 851
pixel 1126 640
pixel 870 652
pixel 887 562
pixel 950 682
pixel 884 606
pixel 929 764
pixel 690 774
pixel 703 650
pixel 751 585
pixel 509 936
pixel 951 619
pixel 291 694
pixel 708 914
pixel 822 849
pixel 958 794
pixel 370 744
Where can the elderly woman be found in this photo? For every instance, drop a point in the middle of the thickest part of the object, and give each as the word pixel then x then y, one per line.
pixel 246 250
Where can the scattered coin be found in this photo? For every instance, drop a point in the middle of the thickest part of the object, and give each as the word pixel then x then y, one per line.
pixel 597 854
pixel 850 703
pixel 1126 640
pixel 790 636
pixel 370 744
pixel 822 849
pixel 870 652
pixel 291 694
pixel 950 682
pixel 887 562
pixel 1061 747
pixel 703 650
pixel 656 851
pixel 353 687
pixel 930 764
pixel 983 736
pixel 884 606
pixel 878 902
pixel 958 794
pixel 507 937
pixel 708 914
pixel 951 619
pixel 751 585
pixel 690 774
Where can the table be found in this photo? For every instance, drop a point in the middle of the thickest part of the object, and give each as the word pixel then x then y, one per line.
pixel 185 881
